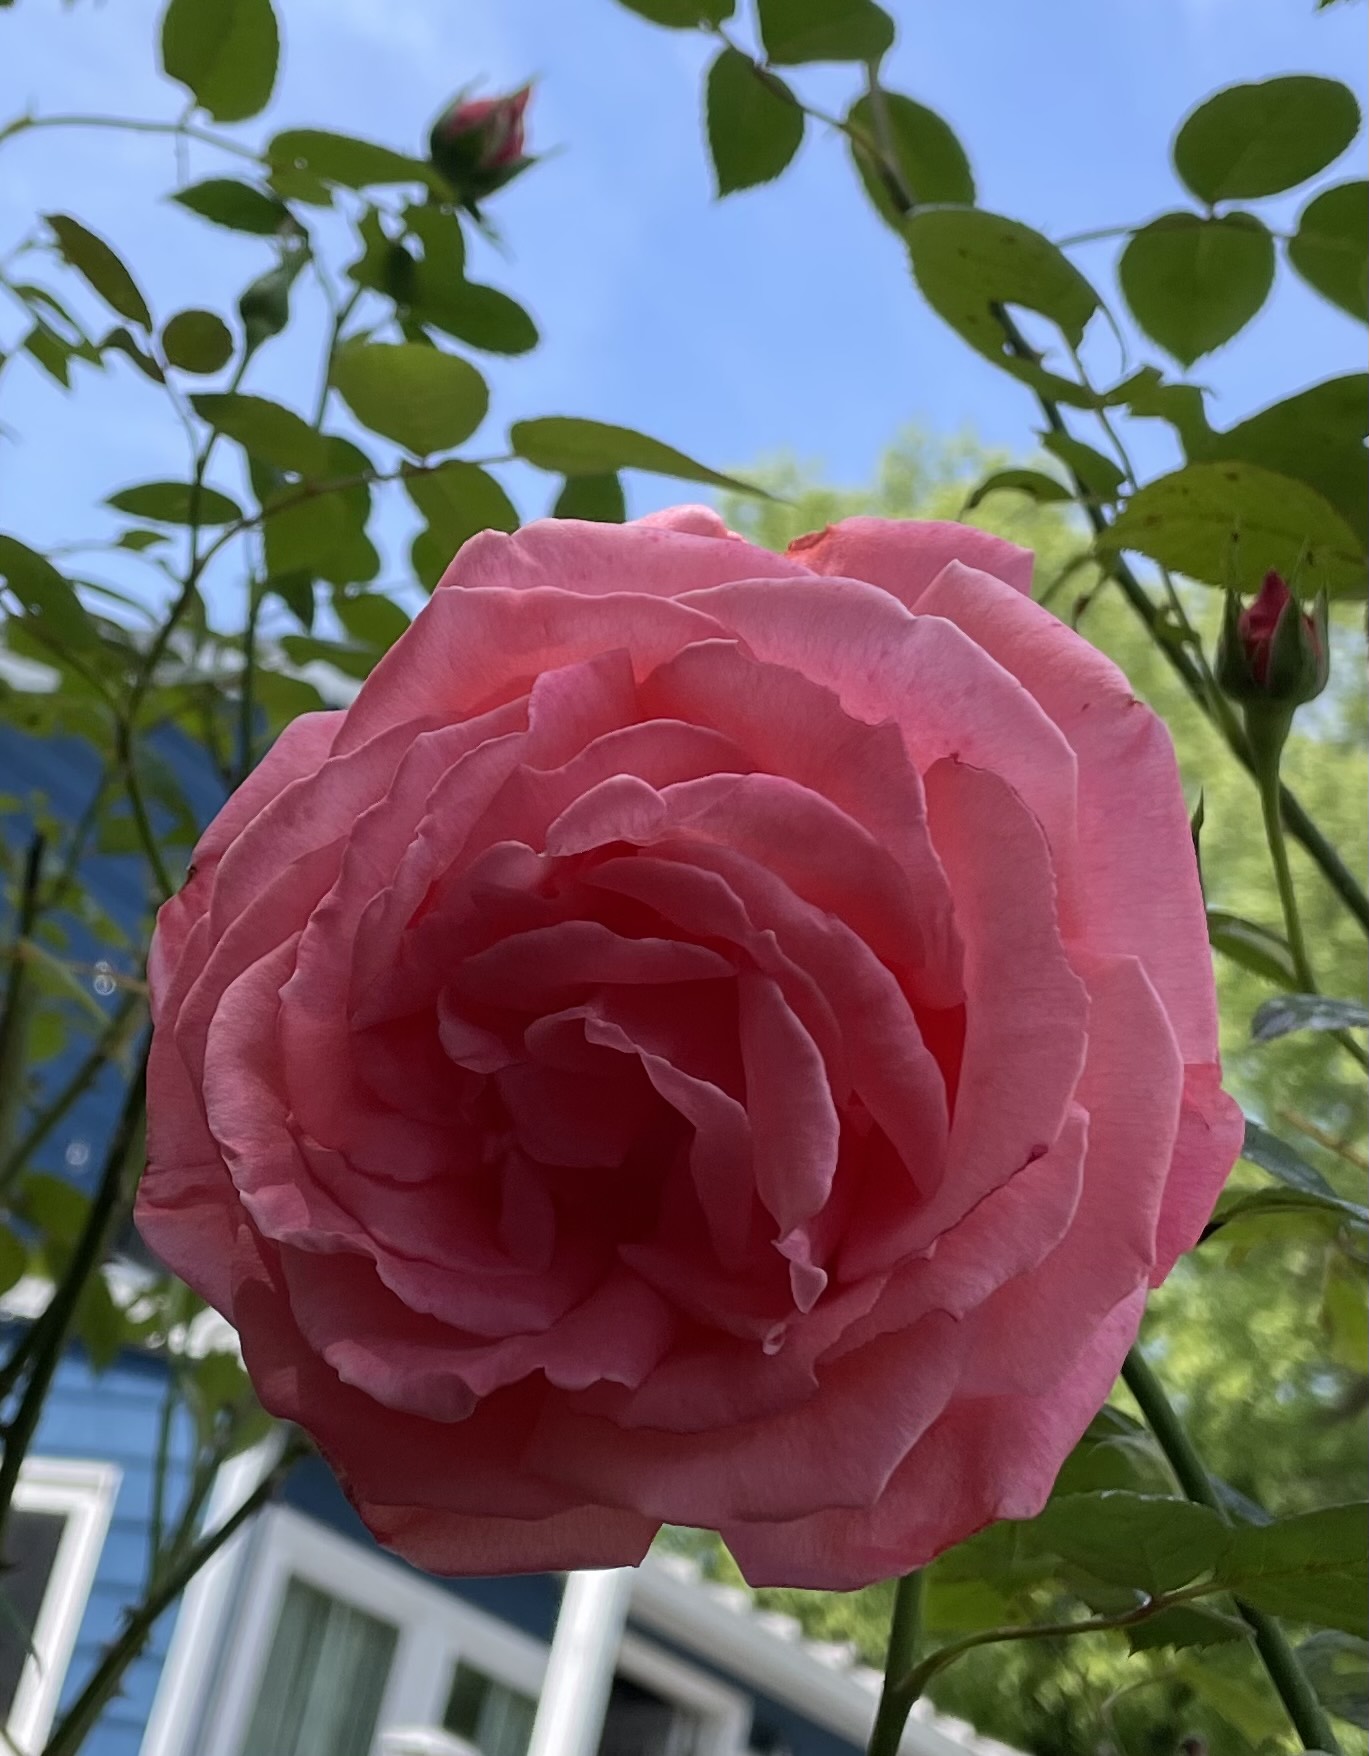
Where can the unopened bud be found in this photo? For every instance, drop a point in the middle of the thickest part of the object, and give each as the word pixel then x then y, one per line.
pixel 477 144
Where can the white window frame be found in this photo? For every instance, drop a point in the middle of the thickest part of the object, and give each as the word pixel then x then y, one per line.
pixel 724 1713
pixel 436 1628
pixel 83 1493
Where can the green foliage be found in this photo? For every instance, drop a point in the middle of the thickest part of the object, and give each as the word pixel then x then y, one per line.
pixel 98 265
pixel 225 52
pixel 343 159
pixel 1229 523
pixel 1193 283
pixel 1330 248
pixel 422 398
pixel 197 341
pixel 929 160
pixel 574 447
pixel 1255 140
pixel 754 126
pixel 598 498
pixel 239 206
pixel 682 14
pixel 795 31
pixel 969 263
pixel 46 595
pixel 456 500
pixel 175 503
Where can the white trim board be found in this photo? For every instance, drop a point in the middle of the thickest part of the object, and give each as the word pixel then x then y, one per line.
pixel 82 1493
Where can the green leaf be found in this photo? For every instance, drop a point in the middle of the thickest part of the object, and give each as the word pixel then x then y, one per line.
pixel 1193 283
pixel 296 592
pixel 197 341
pixel 1271 1154
pixel 301 535
pixel 225 52
pixel 352 661
pixel 1035 483
pixel 1330 248
pixel 242 207
pixel 14 1259
pixel 682 14
pixel 1289 1012
pixel 967 262
pixel 1179 404
pixel 796 31
pixel 1232 522
pixel 1251 946
pixel 754 125
pixel 1254 140
pixel 342 158
pixel 931 162
pixel 1316 437
pixel 457 501
pixel 1143 1540
pixel 264 306
pixel 1099 476
pixel 422 398
pixel 93 259
pixel 1183 1626
pixel 267 430
pixel 1289 1213
pixel 1313 1567
pixel 138 540
pixel 596 498
pixel 46 595
pixel 370 619
pixel 572 447
pixel 120 340
pixel 1338 1667
pixel 170 503
pixel 479 315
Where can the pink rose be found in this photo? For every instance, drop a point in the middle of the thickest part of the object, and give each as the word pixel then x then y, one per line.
pixel 706 1036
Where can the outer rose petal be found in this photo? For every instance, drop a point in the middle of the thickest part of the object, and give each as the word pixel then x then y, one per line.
pixel 904 556
pixel 986 1458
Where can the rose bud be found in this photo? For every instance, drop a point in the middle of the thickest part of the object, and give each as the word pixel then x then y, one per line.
pixel 1272 653
pixel 477 144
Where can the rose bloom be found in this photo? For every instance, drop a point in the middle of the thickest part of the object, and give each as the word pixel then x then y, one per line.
pixel 708 1037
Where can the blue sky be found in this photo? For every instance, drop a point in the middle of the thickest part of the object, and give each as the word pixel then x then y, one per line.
pixel 779 319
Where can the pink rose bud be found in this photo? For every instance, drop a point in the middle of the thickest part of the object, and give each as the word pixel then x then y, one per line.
pixel 1272 653
pixel 477 143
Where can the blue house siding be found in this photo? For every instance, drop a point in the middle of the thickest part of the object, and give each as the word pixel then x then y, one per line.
pixel 527 1601
pixel 113 1417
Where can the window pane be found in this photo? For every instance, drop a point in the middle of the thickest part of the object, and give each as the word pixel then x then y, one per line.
pixel 32 1548
pixel 496 1719
pixel 641 1723
pixel 321 1691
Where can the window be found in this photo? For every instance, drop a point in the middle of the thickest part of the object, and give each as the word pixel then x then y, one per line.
pixel 324 1680
pixel 337 1650
pixel 57 1529
pixel 492 1716
pixel 639 1722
